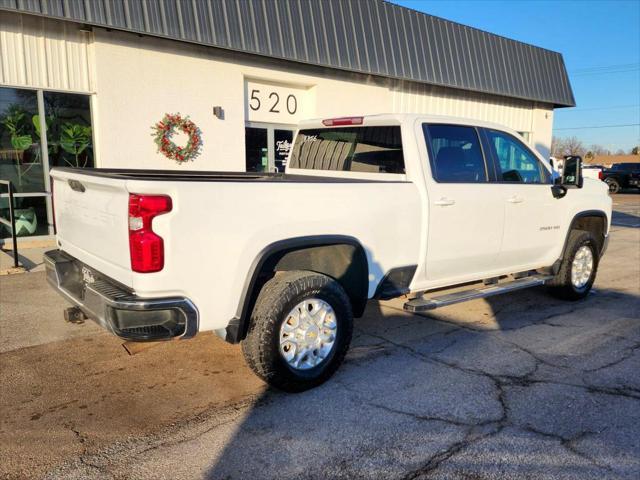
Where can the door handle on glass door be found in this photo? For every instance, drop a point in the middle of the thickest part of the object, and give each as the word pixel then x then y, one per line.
pixel 515 199
pixel 444 202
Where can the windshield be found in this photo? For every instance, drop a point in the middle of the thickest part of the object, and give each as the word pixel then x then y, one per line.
pixel 350 149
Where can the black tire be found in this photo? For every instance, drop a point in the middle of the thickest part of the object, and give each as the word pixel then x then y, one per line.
pixel 276 299
pixel 561 285
pixel 614 185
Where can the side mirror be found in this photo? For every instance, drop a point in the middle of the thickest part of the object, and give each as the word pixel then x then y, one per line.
pixel 572 172
pixel 558 190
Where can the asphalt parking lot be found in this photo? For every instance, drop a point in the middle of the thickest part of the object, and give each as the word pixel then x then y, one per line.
pixel 518 386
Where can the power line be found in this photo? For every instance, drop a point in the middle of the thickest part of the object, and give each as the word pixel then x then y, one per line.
pixel 613 107
pixel 600 126
pixel 605 67
pixel 610 72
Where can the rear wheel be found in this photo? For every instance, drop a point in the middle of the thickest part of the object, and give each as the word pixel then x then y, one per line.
pixel 300 330
pixel 614 185
pixel 578 269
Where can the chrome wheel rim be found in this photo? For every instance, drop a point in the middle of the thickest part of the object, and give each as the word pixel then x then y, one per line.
pixel 308 334
pixel 582 267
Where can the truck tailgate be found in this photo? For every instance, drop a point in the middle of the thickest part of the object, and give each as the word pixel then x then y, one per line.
pixel 91 216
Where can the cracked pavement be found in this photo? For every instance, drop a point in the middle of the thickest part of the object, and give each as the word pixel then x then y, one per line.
pixel 515 386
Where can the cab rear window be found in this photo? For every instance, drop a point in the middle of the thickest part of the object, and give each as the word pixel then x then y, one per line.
pixel 349 149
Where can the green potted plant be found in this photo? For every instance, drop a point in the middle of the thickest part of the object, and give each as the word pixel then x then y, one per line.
pixel 14 122
pixel 75 139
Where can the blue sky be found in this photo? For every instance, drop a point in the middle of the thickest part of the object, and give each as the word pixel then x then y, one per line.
pixel 591 35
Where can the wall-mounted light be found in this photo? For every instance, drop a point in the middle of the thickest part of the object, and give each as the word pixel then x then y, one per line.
pixel 218 112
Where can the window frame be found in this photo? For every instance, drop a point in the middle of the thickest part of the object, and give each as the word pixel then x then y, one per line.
pixel 489 173
pixel 496 161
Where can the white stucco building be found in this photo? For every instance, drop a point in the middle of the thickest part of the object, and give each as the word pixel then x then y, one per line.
pixel 119 66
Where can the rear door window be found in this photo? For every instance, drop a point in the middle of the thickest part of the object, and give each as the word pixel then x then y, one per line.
pixel 349 149
pixel 455 154
pixel 515 162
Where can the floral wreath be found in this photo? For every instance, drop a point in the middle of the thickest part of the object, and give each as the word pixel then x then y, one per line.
pixel 164 130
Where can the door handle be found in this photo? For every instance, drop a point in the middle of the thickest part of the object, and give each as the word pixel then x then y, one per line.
pixel 515 199
pixel 444 202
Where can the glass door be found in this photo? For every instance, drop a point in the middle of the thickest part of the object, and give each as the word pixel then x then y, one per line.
pixel 256 147
pixel 282 140
pixel 267 146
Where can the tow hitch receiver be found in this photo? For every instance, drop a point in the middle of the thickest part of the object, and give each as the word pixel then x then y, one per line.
pixel 74 315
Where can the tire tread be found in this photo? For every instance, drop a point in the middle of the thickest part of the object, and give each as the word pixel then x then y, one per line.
pixel 560 286
pixel 275 295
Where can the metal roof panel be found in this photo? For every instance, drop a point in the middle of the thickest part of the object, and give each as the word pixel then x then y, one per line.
pixel 367 36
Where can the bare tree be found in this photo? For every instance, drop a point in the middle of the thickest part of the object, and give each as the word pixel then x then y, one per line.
pixel 599 150
pixel 573 146
pixel 567 146
pixel 555 146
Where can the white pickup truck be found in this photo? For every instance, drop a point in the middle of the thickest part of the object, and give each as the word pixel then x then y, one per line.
pixel 370 207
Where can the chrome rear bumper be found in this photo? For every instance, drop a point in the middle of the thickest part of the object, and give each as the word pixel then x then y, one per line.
pixel 117 308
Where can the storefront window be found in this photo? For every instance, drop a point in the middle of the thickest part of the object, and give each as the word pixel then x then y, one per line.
pixel 69 135
pixel 20 153
pixel 67 126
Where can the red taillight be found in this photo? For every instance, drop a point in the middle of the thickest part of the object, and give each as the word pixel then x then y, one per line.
pixel 600 175
pixel 147 248
pixel 336 122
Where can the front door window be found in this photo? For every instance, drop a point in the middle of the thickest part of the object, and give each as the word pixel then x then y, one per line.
pixel 516 163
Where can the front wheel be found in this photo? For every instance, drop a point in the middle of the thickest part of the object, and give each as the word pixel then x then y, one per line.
pixel 300 330
pixel 578 269
pixel 614 185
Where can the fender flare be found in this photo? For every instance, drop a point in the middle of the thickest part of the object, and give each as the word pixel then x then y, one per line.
pixel 583 214
pixel 268 257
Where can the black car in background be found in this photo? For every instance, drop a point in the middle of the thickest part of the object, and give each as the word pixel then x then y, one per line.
pixel 622 175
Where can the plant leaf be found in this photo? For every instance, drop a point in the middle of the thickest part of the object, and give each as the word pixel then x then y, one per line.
pixel 21 142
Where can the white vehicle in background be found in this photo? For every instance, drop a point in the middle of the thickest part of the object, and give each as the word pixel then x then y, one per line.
pixel 369 207
pixel 592 171
pixel 588 171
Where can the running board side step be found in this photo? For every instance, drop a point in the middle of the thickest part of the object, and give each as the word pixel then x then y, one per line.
pixel 423 304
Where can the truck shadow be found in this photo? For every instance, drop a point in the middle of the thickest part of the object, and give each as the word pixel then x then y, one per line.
pixel 622 219
pixel 467 378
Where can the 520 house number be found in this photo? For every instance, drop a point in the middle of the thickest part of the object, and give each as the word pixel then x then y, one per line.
pixel 273 102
